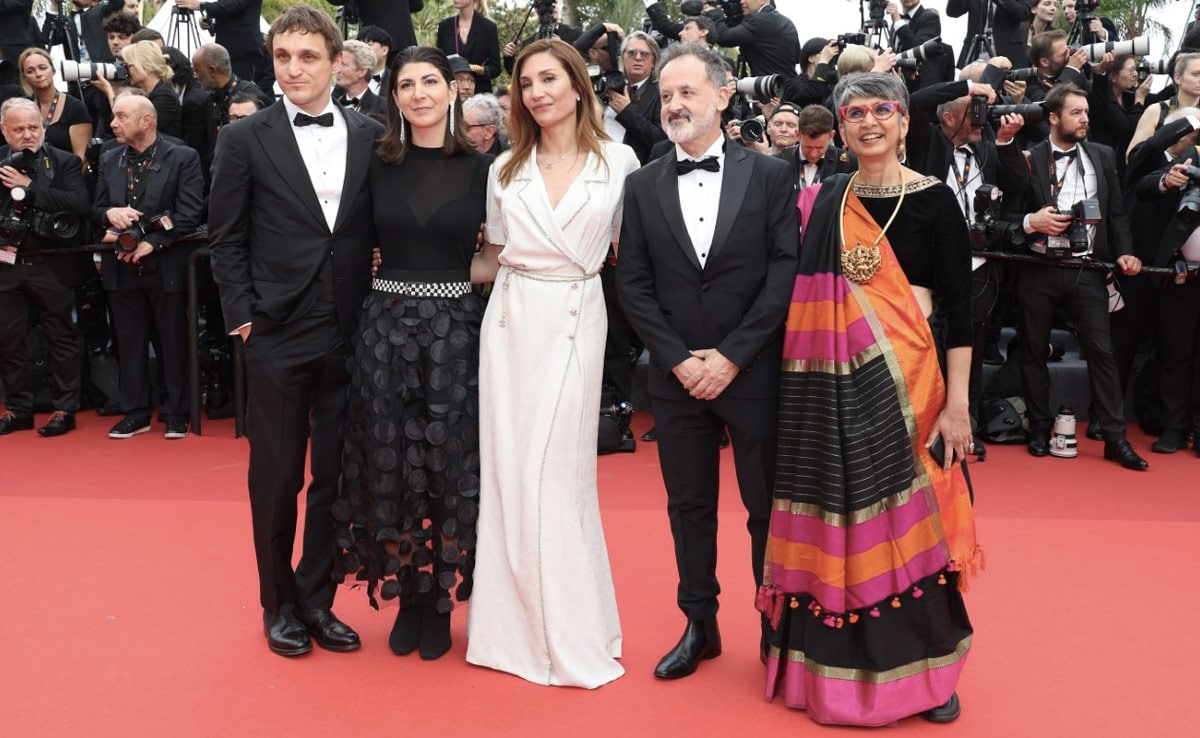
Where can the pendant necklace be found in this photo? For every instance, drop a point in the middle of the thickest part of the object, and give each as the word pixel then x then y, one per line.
pixel 860 264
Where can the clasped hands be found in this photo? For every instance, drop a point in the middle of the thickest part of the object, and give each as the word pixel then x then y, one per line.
pixel 706 373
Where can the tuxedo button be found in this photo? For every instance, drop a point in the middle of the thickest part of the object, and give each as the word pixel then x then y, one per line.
pixel 704 288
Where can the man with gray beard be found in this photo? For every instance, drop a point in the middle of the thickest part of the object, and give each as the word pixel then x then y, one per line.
pixel 709 300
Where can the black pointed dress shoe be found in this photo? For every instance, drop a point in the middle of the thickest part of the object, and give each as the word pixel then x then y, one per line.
pixel 11 421
pixel 1122 453
pixel 1170 442
pixel 61 422
pixel 701 640
pixel 286 635
pixel 650 436
pixel 1039 444
pixel 1094 433
pixel 330 633
pixel 948 712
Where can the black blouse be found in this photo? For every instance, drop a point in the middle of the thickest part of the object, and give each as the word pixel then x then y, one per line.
pixel 58 134
pixel 428 209
pixel 930 239
pixel 482 47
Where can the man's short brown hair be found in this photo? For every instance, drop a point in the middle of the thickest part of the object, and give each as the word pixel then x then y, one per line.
pixel 816 120
pixel 306 19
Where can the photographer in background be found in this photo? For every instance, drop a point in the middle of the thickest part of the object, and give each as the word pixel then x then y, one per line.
pixel 235 26
pixel 818 75
pixel 150 191
pixel 1010 26
pixel 559 30
pixel 44 190
pixel 1055 63
pixel 17 28
pixel 381 43
pixel 1177 187
pixel 1072 179
pixel 816 157
pixel 1101 27
pixel 766 39
pixel 1117 100
pixel 695 28
pixel 949 137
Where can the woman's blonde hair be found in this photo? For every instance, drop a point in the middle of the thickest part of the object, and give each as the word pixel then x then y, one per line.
pixel 24 57
pixel 523 130
pixel 148 57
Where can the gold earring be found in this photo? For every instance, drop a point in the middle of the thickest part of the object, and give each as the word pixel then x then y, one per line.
pixel 900 150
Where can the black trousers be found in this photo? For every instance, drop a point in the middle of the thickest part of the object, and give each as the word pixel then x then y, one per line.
pixel 619 345
pixel 139 307
pixel 985 294
pixel 22 287
pixel 1040 291
pixel 1178 337
pixel 297 391
pixel 1135 322
pixel 689 432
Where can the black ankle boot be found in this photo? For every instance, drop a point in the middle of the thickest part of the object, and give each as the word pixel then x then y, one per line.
pixel 435 633
pixel 406 633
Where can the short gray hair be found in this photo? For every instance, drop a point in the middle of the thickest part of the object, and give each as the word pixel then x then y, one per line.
pixel 19 103
pixel 362 53
pixel 714 67
pixel 216 55
pixel 487 104
pixel 871 84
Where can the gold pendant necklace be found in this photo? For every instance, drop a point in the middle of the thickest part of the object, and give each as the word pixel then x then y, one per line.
pixel 861 263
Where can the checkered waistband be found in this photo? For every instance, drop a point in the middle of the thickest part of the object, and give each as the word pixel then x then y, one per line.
pixel 421 289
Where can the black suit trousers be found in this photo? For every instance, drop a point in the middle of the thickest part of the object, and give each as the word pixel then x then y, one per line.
pixel 37 286
pixel 141 308
pixel 620 344
pixel 297 389
pixel 985 295
pixel 1039 292
pixel 1178 336
pixel 689 433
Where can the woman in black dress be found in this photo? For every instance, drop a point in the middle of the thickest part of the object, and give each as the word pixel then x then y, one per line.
pixel 411 475
pixel 474 37
pixel 68 126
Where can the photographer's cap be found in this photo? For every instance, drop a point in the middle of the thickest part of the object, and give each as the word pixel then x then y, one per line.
pixel 459 65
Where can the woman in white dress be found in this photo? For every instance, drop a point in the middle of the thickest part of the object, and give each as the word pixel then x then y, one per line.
pixel 543 606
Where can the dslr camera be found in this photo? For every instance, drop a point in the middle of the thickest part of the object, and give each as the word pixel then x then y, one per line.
pixel 1188 211
pixel 988 231
pixel 128 239
pixel 20 218
pixel 731 8
pixel 850 39
pixel 73 71
pixel 753 129
pixel 910 59
pixel 1074 242
pixel 605 81
pixel 1024 74
pixel 760 89
pixel 980 113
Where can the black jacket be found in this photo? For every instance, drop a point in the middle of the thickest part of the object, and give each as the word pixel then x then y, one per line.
pixel 643 127
pixel 58 187
pixel 737 301
pixel 767 40
pixel 1168 233
pixel 393 16
pixel 1010 27
pixel 924 25
pixel 236 27
pixel 18 31
pixel 172 182
pixel 369 104
pixel 482 47
pixel 833 162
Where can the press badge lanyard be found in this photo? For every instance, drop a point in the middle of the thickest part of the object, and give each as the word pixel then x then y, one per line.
pixel 963 178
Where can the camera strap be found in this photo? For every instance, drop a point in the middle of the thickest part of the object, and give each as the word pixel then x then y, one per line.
pixel 135 170
pixel 963 178
pixel 1056 182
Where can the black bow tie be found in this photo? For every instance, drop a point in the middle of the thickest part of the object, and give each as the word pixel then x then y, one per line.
pixel 304 119
pixel 905 17
pixel 708 164
pixel 377 77
pixel 1067 154
pixel 348 102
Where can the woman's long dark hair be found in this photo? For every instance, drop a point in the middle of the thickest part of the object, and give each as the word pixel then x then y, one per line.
pixel 398 136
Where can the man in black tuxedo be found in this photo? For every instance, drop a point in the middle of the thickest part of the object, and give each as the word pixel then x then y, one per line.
pixel 49 181
pixel 766 38
pixel 17 28
pixel 352 72
pixel 708 259
pixel 912 24
pixel 1066 169
pixel 144 178
pixel 1010 26
pixel 393 16
pixel 816 157
pixel 290 231
pixel 1056 64
pixel 235 26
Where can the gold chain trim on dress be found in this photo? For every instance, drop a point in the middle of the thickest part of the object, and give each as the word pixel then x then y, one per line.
pixel 916 185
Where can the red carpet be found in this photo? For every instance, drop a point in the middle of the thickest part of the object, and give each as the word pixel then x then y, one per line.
pixel 130 609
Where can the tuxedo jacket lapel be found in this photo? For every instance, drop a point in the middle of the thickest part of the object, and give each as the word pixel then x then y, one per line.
pixel 279 144
pixel 1039 158
pixel 359 140
pixel 734 183
pixel 666 182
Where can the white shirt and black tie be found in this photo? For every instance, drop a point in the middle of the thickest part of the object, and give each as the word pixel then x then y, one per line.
pixel 699 198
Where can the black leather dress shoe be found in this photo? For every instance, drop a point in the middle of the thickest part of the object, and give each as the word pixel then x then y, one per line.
pixel 948 712
pixel 1094 433
pixel 1122 453
pixel 286 635
pixel 701 640
pixel 109 411
pixel 1170 442
pixel 10 422
pixel 724 442
pixel 1039 444
pixel 61 423
pixel 650 436
pixel 330 633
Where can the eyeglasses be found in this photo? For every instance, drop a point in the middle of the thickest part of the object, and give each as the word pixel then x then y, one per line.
pixel 639 53
pixel 879 111
pixel 471 126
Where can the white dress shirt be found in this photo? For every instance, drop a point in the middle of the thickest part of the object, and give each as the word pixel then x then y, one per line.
pixel 324 153
pixel 1078 177
pixel 971 172
pixel 699 197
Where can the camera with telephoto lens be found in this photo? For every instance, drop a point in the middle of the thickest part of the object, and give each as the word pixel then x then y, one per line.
pixel 988 231
pixel 1031 112
pixel 128 239
pixel 605 81
pixel 1188 211
pixel 1024 74
pixel 876 9
pixel 73 71
pixel 1146 67
pixel 14 222
pixel 761 89
pixel 851 39
pixel 910 58
pixel 1139 46
pixel 350 14
pixel 545 14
